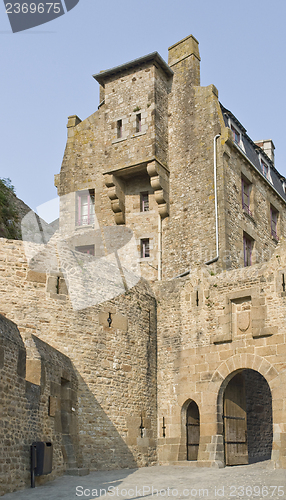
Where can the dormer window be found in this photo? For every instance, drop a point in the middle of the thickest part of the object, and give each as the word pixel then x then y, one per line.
pixel 265 169
pixel 236 135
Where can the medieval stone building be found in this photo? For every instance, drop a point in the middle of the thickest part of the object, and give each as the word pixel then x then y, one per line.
pixel 161 298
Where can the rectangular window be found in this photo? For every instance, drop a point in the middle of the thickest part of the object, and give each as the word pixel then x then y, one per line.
pixel 274 221
pixel 89 249
pixel 85 208
pixel 138 122
pixel 247 249
pixel 236 135
pixel 245 191
pixel 265 169
pixel 145 248
pixel 119 129
pixel 144 202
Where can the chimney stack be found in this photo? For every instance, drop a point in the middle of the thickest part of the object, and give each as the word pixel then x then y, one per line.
pixel 268 147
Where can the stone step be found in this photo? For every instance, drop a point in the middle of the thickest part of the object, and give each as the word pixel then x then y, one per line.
pixel 71 464
pixel 77 471
pixel 198 463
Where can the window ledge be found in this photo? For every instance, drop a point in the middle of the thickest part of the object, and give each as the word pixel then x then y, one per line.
pixel 121 139
pixel 138 134
pixel 86 226
pixel 250 217
pixel 144 213
pixel 240 146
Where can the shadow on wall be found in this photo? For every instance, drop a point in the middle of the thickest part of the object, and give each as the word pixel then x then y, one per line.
pixel 85 435
pixel 52 403
pixel 259 416
pixel 102 446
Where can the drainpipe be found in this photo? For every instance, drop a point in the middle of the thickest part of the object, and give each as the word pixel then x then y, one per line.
pixel 216 214
pixel 159 247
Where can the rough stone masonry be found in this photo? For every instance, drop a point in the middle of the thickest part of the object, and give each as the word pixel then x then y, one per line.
pixel 149 328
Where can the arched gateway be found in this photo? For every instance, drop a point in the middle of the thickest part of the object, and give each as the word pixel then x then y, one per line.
pixel 247 418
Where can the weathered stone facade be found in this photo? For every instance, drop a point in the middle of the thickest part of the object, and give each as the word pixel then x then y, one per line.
pixel 164 285
pixel 114 366
pixel 235 322
pixel 32 373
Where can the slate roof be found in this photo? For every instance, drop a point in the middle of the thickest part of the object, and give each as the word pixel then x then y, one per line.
pixel 252 151
pixel 154 57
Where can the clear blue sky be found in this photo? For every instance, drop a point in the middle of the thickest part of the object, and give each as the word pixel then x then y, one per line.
pixel 46 72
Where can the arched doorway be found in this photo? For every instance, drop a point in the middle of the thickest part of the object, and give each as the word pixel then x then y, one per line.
pixel 192 430
pixel 247 418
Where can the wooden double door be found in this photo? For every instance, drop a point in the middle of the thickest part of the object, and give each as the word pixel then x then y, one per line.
pixel 235 422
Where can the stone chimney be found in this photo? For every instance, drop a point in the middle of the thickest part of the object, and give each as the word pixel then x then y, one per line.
pixel 184 59
pixel 268 147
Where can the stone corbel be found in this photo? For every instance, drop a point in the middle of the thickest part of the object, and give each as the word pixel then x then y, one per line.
pixel 227 136
pixel 159 180
pixel 116 195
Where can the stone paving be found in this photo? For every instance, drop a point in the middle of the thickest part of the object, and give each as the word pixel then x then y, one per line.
pixel 256 481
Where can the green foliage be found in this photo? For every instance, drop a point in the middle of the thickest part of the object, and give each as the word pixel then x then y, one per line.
pixel 8 183
pixel 9 218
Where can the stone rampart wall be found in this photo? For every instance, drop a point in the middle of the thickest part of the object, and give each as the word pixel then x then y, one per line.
pixel 115 363
pixel 31 405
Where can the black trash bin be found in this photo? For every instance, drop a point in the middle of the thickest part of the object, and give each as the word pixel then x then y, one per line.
pixel 41 459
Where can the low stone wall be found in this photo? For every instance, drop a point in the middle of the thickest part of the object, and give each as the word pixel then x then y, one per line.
pixel 32 405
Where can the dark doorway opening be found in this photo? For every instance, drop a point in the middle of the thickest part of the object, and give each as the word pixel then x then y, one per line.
pixel 247 418
pixel 193 431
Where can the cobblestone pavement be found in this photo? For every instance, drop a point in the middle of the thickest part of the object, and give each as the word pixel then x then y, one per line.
pixel 256 481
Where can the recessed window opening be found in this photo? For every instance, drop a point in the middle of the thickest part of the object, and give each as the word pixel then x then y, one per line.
pixel 245 191
pixel 119 129
pixel 144 202
pixel 265 169
pixel 85 208
pixel 235 134
pixel 138 122
pixel 145 248
pixel 247 250
pixel 88 249
pixel 274 221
